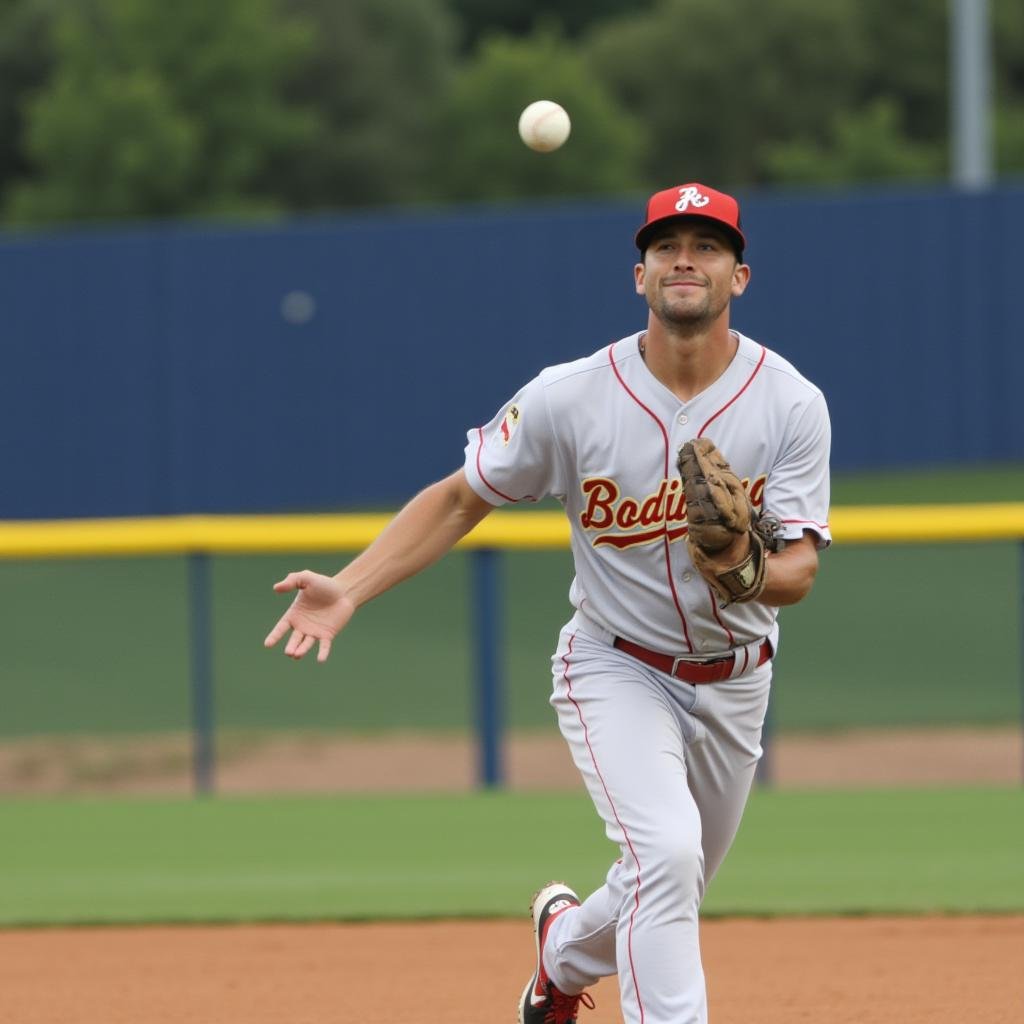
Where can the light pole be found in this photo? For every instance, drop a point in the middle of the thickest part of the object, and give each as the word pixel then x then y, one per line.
pixel 970 94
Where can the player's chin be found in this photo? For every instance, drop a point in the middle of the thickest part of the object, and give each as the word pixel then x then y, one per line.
pixel 684 314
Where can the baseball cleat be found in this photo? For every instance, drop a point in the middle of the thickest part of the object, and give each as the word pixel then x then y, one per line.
pixel 541 1002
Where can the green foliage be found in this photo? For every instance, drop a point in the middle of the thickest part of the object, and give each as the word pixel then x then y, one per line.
pixel 864 145
pixel 26 61
pixel 716 83
pixel 741 92
pixel 1008 87
pixel 889 121
pixel 479 153
pixel 376 77
pixel 159 109
pixel 908 64
pixel 1008 45
pixel 482 18
pixel 1009 138
pixel 142 172
pixel 140 108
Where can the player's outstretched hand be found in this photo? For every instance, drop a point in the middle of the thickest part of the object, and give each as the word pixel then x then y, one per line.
pixel 319 612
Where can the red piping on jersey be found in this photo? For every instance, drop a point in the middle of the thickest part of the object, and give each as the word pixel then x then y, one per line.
pixel 700 433
pixel 809 522
pixel 718 618
pixel 668 550
pixel 615 814
pixel 479 450
pixel 760 363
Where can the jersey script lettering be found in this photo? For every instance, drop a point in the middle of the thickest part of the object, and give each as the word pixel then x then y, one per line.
pixel 633 521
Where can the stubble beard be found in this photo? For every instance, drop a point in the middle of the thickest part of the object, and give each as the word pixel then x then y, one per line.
pixel 688 320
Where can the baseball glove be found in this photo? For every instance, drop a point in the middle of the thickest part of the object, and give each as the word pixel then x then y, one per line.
pixel 726 536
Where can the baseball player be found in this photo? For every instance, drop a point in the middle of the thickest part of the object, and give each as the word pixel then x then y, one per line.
pixel 692 463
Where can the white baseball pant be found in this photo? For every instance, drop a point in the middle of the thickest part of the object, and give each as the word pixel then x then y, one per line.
pixel 669 766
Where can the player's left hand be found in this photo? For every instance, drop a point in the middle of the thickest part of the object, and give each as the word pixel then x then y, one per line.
pixel 726 538
pixel 320 611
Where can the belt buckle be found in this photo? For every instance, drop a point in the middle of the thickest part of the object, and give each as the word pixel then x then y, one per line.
pixel 693 659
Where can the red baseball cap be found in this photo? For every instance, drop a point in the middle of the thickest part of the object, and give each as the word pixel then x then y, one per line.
pixel 692 200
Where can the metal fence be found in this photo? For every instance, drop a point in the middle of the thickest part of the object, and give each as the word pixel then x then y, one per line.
pixel 199 538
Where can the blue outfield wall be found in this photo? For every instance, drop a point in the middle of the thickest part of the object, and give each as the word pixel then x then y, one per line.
pixel 152 370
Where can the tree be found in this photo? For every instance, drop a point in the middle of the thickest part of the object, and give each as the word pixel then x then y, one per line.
pixel 142 108
pixel 910 68
pixel 908 65
pixel 716 84
pixel 26 61
pixel 376 76
pixel 482 18
pixel 480 155
pixel 160 109
pixel 863 145
pixel 1008 25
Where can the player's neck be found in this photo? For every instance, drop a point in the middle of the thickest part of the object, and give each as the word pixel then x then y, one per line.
pixel 688 364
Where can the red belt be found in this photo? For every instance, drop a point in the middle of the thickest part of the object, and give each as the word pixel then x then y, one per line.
pixel 713 670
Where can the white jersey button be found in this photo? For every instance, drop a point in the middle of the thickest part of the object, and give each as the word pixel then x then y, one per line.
pixel 683 418
pixel 687 576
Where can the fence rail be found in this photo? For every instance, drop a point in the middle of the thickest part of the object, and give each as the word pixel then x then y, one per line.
pixel 222 534
pixel 200 537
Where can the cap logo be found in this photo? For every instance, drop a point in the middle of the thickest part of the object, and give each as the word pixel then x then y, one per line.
pixel 691 196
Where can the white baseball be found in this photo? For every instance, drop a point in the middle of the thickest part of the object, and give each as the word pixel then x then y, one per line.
pixel 544 126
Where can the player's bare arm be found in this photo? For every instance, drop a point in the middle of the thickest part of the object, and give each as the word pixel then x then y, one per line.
pixel 790 572
pixel 429 526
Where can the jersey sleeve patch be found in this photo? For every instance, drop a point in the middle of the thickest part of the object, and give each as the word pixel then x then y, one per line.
pixel 510 423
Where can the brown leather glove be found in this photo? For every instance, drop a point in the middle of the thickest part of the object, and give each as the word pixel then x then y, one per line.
pixel 726 537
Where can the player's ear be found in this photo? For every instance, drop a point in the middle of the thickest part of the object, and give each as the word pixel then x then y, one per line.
pixel 638 275
pixel 740 279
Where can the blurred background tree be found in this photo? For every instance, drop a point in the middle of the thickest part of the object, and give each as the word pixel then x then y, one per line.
pixel 888 123
pixel 140 108
pixel 867 144
pixel 156 109
pixel 1008 71
pixel 26 61
pixel 482 18
pixel 479 154
pixel 377 76
pixel 721 84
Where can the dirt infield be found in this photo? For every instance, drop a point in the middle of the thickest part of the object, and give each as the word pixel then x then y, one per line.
pixel 939 970
pixel 295 763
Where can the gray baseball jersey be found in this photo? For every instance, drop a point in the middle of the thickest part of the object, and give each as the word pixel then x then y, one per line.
pixel 601 434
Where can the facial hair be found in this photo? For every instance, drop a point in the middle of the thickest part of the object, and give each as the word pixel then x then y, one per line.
pixel 690 319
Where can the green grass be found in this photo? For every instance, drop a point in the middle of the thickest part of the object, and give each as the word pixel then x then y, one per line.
pixel 878 851
pixel 901 636
pixel 354 858
pixel 982 482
